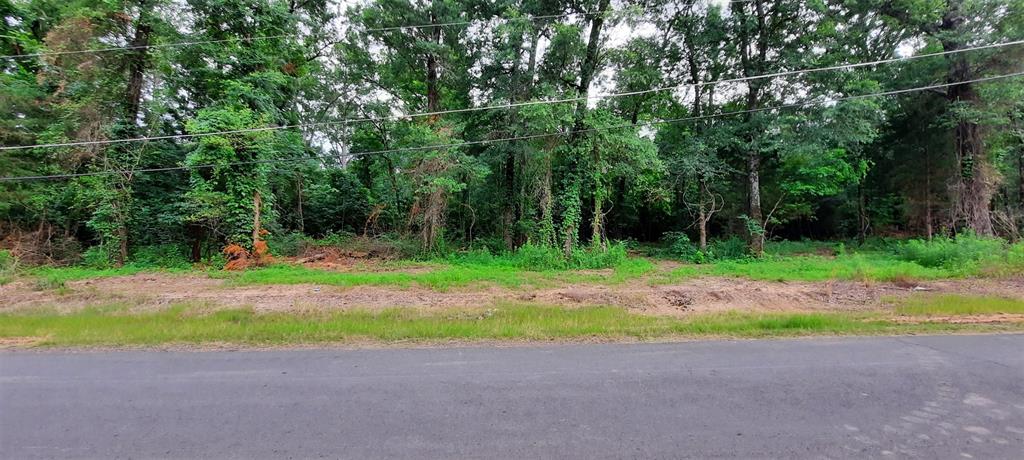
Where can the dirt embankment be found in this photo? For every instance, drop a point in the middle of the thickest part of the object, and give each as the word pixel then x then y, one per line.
pixel 158 291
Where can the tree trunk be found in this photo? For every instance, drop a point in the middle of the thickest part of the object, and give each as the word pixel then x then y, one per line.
pixel 1020 175
pixel 137 63
pixel 974 184
pixel 436 201
pixel 122 244
pixel 196 232
pixel 589 68
pixel 547 215
pixel 571 199
pixel 433 94
pixel 704 214
pixel 756 216
pixel 751 65
pixel 862 213
pixel 929 230
pixel 298 193
pixel 257 205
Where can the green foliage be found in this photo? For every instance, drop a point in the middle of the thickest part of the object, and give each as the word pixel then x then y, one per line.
pixel 963 251
pixel 8 265
pixel 288 244
pixel 166 256
pixel 678 245
pixel 534 257
pixel 646 162
pixel 98 257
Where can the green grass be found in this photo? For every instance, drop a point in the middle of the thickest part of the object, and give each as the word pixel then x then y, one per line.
pixel 56 277
pixel 438 276
pixel 870 266
pixel 113 325
pixel 929 305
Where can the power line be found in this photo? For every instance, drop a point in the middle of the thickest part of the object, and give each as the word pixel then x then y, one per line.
pixel 272 37
pixel 513 105
pixel 519 138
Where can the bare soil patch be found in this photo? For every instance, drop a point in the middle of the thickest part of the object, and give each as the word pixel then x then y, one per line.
pixel 963 319
pixel 148 292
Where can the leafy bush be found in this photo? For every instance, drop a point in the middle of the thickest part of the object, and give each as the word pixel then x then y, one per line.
pixel 160 256
pixel 733 248
pixel 960 252
pixel 335 239
pixel 1015 254
pixel 287 244
pixel 536 257
pixel 7 266
pixel 678 245
pixel 595 258
pixel 7 260
pixel 97 257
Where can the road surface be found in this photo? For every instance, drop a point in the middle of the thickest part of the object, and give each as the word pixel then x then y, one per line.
pixel 910 397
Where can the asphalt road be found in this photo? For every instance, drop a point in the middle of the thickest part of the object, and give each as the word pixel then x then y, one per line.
pixel 922 397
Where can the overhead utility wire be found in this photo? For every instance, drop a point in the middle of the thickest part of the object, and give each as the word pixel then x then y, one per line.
pixel 292 35
pixel 519 138
pixel 512 105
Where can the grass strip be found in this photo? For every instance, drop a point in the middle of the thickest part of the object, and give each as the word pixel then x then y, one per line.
pixel 113 325
pixel 952 305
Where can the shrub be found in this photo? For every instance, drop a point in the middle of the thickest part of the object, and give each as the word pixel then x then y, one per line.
pixel 7 261
pixel 678 245
pixel 536 257
pixel 960 252
pixel 160 256
pixel 8 264
pixel 732 248
pixel 97 257
pixel 541 258
pixel 287 244
pixel 596 258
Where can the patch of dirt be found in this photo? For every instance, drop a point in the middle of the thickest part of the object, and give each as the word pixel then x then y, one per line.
pixel 147 292
pixel 10 343
pixel 963 319
pixel 346 260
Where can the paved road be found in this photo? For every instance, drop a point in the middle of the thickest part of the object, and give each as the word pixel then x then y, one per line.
pixel 923 397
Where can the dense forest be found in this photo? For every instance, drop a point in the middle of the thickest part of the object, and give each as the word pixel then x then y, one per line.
pixel 465 123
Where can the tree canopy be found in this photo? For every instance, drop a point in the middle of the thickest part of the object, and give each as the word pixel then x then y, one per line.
pixel 564 124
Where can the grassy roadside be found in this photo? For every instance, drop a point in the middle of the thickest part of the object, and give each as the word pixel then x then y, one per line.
pixel 442 275
pixel 859 267
pixel 437 276
pixel 113 325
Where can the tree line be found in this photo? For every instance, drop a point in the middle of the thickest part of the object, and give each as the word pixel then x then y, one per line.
pixel 253 119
